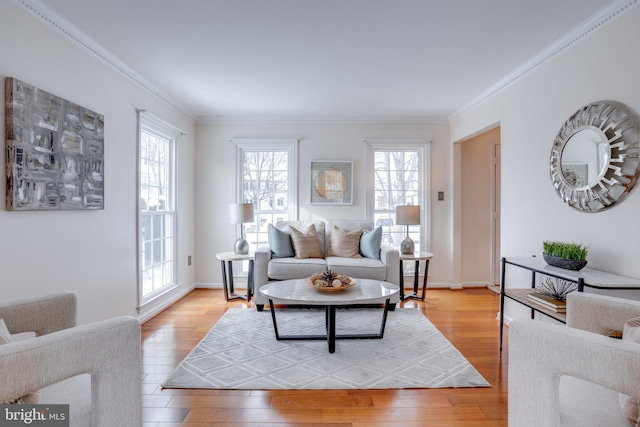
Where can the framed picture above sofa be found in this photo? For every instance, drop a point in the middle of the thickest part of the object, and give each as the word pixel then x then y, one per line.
pixel 331 182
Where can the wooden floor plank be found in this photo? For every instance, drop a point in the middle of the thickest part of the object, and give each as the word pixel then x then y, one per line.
pixel 466 317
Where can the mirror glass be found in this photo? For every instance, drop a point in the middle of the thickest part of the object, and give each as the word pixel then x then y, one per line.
pixel 584 158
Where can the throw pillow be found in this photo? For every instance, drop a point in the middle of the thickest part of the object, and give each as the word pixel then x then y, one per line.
pixel 370 243
pixel 29 399
pixel 630 404
pixel 279 242
pixel 345 244
pixel 305 243
pixel 5 336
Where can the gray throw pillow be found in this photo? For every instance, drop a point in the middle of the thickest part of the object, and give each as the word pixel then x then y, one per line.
pixel 280 243
pixel 370 243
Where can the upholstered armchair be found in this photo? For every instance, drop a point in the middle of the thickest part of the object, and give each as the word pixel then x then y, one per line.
pixel 95 368
pixel 572 375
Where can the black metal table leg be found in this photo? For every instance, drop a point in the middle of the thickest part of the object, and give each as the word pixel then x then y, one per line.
pixel 227 282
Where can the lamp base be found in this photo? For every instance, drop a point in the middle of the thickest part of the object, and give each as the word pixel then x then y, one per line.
pixel 407 246
pixel 241 247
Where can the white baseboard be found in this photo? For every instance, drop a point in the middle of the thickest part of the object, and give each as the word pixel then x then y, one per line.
pixel 453 286
pixel 155 307
pixel 208 285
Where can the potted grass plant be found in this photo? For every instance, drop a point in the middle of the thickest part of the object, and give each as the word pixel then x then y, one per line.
pixel 570 256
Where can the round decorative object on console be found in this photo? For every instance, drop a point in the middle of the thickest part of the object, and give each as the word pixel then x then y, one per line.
pixel 595 157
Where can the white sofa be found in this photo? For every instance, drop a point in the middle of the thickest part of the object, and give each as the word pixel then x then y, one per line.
pixel 268 269
pixel 572 375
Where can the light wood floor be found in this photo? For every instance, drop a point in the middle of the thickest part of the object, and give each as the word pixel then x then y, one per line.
pixel 466 317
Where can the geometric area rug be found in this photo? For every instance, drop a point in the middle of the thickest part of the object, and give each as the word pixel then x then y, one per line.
pixel 241 352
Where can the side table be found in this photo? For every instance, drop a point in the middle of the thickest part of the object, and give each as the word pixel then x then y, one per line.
pixel 227 274
pixel 417 257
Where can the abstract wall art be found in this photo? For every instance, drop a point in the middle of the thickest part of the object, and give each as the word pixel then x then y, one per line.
pixel 332 182
pixel 55 151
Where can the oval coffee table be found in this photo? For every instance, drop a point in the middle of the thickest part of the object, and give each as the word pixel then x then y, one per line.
pixel 299 292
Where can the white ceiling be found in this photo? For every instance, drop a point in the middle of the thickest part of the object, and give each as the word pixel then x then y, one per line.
pixel 425 59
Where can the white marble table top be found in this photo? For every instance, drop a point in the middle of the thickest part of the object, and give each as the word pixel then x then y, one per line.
pixel 232 256
pixel 302 292
pixel 416 256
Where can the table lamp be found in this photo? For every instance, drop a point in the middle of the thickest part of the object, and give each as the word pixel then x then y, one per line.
pixel 241 213
pixel 407 215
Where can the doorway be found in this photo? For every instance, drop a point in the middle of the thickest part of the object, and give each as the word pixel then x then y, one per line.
pixel 479 210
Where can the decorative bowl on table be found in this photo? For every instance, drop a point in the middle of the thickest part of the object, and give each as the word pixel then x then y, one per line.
pixel 331 281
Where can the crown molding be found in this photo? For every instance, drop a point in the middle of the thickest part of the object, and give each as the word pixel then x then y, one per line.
pixel 57 22
pixel 415 120
pixel 604 17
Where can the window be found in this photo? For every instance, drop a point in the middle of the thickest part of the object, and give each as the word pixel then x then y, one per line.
pixel 157 211
pixel 397 175
pixel 266 177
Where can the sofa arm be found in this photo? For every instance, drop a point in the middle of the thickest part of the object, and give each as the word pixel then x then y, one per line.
pixel 108 350
pixel 42 314
pixel 598 313
pixel 260 267
pixel 390 257
pixel 540 353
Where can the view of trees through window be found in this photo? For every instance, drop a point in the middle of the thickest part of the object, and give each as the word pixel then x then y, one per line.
pixel 396 182
pixel 265 183
pixel 157 214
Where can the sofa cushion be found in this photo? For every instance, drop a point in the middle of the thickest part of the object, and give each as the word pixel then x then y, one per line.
pixel 280 242
pixel 5 336
pixel 583 403
pixel 370 243
pixel 345 243
pixel 294 268
pixel 362 268
pixel 630 404
pixel 305 243
pixel 30 398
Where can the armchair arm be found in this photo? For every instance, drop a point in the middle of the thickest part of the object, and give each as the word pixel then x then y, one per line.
pixel 108 350
pixel 540 353
pixel 41 314
pixel 260 267
pixel 598 313
pixel 391 258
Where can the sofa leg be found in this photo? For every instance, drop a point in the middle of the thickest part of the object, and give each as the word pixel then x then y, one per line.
pixel 260 307
pixel 392 307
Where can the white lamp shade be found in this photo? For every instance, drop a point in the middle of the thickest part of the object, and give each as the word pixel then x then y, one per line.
pixel 407 215
pixel 241 213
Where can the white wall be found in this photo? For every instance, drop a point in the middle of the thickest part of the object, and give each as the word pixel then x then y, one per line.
pixel 92 253
pixel 318 141
pixel 603 66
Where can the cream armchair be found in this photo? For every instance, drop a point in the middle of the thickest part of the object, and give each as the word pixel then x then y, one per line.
pixel 572 376
pixel 95 368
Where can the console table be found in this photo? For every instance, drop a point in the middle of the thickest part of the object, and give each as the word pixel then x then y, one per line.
pixel 585 278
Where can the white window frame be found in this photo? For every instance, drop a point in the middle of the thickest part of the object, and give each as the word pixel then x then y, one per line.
pixel 150 124
pixel 264 144
pixel 423 147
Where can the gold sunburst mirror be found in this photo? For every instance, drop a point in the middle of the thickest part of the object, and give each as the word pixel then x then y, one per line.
pixel 595 158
